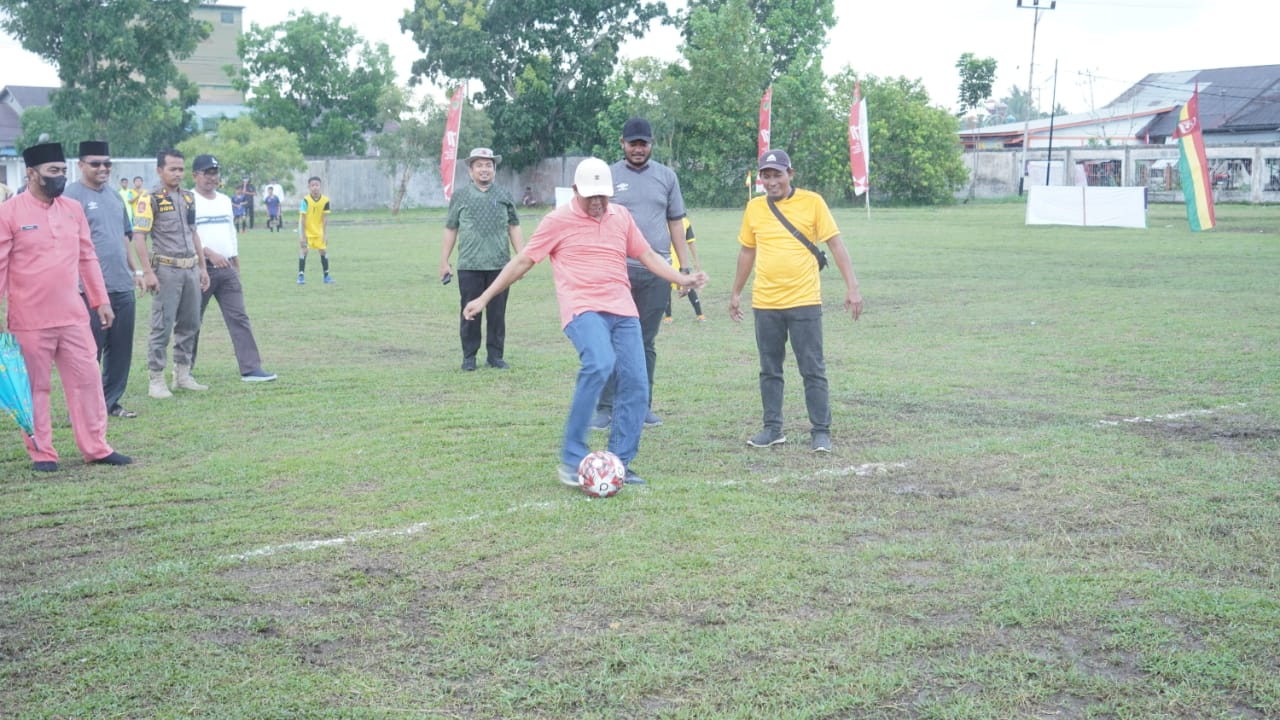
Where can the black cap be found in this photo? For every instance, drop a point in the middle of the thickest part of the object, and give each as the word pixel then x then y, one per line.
pixel 94 147
pixel 776 159
pixel 637 129
pixel 204 162
pixel 43 153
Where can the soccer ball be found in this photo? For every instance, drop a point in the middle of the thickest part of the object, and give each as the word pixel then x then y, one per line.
pixel 600 474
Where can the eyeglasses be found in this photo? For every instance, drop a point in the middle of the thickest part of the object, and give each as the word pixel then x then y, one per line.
pixel 98 163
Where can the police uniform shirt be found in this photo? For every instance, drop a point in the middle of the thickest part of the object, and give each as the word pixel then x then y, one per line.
pixel 169 217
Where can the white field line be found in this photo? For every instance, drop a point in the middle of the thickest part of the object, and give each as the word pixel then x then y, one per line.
pixel 1173 416
pixel 414 529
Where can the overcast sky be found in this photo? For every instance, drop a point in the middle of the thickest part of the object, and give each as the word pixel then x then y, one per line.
pixel 1102 46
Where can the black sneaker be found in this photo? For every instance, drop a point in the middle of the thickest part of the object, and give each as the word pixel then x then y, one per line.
pixel 44 466
pixel 114 458
pixel 821 442
pixel 498 363
pixel 767 437
pixel 601 420
pixel 469 364
pixel 651 419
pixel 633 479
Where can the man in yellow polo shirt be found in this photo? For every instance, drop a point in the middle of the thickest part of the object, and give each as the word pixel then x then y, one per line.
pixel 786 296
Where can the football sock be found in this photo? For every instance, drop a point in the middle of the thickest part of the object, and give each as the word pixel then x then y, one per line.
pixel 302 264
pixel 697 304
pixel 324 263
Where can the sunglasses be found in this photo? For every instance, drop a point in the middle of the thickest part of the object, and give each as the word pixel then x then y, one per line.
pixel 98 163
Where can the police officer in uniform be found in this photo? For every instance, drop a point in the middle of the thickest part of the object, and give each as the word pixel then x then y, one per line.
pixel 174 272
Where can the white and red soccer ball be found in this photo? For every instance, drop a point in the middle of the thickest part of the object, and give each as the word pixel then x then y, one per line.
pixel 601 474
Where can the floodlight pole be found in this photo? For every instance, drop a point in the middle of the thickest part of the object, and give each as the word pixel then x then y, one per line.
pixel 1031 74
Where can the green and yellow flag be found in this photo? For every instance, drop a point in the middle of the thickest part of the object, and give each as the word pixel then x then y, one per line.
pixel 1194 166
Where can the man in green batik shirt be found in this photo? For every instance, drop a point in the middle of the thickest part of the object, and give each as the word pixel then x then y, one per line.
pixel 483 224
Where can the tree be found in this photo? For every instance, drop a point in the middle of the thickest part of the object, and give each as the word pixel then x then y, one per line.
pixel 644 87
pixel 116 63
pixel 1019 103
pixel 915 158
pixel 976 78
pixel 792 29
pixel 243 148
pixel 542 65
pixel 316 78
pixel 414 144
pixel 717 127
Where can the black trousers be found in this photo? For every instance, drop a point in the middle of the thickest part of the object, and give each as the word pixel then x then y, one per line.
pixel 115 344
pixel 471 284
pixel 651 294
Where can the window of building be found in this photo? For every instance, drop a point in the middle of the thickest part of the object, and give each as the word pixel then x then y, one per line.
pixel 1272 178
pixel 1103 173
pixel 1230 173
pixel 1158 175
pixel 228 17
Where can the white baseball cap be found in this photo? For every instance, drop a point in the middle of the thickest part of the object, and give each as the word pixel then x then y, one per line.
pixel 593 178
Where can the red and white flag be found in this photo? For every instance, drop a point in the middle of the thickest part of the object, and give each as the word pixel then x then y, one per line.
pixel 859 148
pixel 762 143
pixel 449 143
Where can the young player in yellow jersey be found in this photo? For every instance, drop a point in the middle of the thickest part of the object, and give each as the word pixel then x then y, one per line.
pixel 313 229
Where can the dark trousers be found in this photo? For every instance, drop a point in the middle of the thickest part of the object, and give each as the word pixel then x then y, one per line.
pixel 651 294
pixel 803 325
pixel 248 208
pixel 224 285
pixel 115 345
pixel 471 284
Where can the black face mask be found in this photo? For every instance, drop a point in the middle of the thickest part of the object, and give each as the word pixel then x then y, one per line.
pixel 53 185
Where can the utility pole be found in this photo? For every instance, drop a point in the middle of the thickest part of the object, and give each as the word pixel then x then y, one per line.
pixel 1031 74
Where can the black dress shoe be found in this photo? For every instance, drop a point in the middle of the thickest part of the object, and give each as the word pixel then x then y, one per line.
pixel 44 466
pixel 498 363
pixel 469 364
pixel 114 458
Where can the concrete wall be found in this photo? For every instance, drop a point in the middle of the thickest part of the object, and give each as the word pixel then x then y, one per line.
pixel 358 183
pixel 1245 173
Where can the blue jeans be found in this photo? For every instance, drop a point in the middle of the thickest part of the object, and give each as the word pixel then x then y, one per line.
pixel 607 345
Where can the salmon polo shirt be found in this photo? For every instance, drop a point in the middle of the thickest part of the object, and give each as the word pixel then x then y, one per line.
pixel 589 259
pixel 45 252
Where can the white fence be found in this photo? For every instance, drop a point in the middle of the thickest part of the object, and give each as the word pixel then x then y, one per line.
pixel 1244 173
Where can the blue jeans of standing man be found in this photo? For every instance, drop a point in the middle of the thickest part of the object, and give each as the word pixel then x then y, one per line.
pixel 804 327
pixel 607 345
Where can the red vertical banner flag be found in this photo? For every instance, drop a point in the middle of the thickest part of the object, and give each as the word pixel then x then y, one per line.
pixel 766 115
pixel 449 143
pixel 1193 166
pixel 859 148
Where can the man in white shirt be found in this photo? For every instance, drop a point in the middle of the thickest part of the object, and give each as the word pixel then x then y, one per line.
pixel 215 222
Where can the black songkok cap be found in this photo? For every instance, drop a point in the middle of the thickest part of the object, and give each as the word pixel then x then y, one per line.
pixel 43 153
pixel 94 147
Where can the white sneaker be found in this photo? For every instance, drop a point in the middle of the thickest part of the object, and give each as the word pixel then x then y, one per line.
pixel 568 476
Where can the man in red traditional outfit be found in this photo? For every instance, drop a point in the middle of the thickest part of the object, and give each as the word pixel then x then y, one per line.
pixel 46 251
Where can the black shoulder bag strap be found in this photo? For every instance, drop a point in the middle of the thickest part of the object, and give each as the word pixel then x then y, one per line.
pixel 818 255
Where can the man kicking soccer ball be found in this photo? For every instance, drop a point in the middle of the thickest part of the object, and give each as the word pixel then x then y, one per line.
pixel 589 241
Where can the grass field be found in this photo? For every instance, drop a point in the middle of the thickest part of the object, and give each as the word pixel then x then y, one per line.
pixel 1055 493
